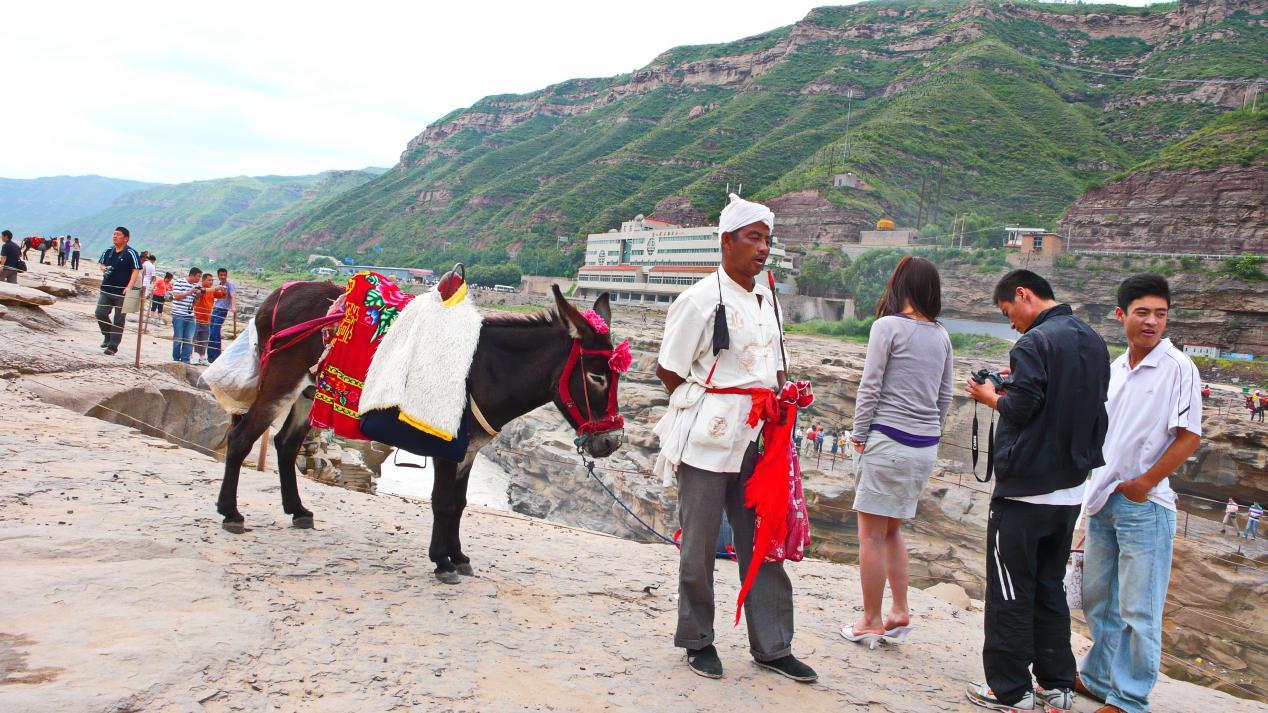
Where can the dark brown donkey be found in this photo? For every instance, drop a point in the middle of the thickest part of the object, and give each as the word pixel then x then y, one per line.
pixel 517 367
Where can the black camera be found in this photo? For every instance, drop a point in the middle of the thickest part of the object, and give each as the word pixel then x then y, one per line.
pixel 983 375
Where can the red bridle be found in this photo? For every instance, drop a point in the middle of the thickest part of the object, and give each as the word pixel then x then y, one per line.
pixel 611 421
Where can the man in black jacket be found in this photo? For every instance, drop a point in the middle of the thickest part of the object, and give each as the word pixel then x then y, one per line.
pixel 1052 426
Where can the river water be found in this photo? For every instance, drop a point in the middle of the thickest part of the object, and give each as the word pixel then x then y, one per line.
pixel 973 326
pixel 489 482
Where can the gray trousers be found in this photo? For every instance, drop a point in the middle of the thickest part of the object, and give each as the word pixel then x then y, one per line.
pixel 768 610
pixel 112 330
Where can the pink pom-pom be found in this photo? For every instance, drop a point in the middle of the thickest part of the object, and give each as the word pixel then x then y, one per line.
pixel 595 321
pixel 621 359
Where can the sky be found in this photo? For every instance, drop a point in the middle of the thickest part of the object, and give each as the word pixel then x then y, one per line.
pixel 172 91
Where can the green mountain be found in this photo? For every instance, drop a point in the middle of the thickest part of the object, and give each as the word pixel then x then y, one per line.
pixel 231 219
pixel 1005 111
pixel 1233 138
pixel 36 206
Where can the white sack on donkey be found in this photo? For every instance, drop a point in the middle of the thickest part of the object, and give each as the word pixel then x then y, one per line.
pixel 234 377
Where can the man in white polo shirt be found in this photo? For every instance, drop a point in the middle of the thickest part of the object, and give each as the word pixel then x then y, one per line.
pixel 1155 424
pixel 708 443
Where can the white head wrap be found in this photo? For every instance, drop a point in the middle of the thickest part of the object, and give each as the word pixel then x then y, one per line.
pixel 739 213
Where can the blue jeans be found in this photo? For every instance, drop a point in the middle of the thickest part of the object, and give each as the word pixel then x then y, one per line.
pixel 182 337
pixel 218 315
pixel 1252 528
pixel 1126 569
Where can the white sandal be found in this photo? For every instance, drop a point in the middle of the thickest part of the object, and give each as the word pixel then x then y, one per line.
pixel 870 639
pixel 898 634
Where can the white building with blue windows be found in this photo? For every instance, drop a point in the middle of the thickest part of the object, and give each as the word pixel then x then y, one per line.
pixel 649 262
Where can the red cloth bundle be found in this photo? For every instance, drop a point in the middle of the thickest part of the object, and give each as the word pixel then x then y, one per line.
pixel 371 304
pixel 782 527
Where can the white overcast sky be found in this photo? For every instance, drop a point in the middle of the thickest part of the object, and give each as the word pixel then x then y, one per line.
pixel 178 91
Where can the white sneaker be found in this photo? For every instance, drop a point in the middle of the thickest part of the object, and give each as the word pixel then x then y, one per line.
pixel 1055 700
pixel 981 695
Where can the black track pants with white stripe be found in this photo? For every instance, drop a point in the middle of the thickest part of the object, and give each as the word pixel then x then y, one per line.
pixel 1027 621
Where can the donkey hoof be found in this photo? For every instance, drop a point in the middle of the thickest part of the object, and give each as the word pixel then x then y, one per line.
pixel 237 527
pixel 303 523
pixel 449 577
pixel 465 569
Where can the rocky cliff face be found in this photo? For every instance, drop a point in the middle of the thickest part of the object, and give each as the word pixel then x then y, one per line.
pixel 1189 210
pixel 808 218
pixel 1207 306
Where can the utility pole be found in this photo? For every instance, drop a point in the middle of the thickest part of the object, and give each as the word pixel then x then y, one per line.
pixel 849 108
pixel 920 210
pixel 937 203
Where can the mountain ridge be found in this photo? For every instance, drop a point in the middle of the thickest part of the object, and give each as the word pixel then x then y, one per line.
pixel 35 206
pixel 949 88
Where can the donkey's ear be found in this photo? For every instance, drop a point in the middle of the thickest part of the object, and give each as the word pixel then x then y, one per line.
pixel 603 308
pixel 576 324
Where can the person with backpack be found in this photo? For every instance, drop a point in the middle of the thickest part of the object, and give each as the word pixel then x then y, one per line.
pixel 10 258
pixel 902 401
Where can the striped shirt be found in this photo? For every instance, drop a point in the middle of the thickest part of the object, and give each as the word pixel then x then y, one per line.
pixel 183 307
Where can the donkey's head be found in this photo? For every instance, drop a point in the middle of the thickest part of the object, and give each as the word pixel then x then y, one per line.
pixel 585 390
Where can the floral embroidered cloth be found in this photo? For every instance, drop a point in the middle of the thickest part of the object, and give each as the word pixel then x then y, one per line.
pixel 371 304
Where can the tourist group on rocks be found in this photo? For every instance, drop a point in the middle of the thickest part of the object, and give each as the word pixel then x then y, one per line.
pixel 200 303
pixel 1072 441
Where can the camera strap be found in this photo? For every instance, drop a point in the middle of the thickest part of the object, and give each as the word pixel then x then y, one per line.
pixel 990 447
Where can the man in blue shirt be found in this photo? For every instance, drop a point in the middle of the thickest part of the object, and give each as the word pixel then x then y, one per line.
pixel 120 270
pixel 221 309
pixel 10 256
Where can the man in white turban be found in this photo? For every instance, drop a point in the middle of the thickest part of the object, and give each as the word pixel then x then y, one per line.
pixel 708 443
pixel 739 213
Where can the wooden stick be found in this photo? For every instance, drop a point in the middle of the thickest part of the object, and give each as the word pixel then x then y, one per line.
pixel 140 327
pixel 264 450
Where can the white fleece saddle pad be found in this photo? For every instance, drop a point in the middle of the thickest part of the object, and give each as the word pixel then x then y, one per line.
pixel 421 365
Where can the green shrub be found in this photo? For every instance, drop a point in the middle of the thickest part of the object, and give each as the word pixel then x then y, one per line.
pixel 1246 267
pixel 1067 261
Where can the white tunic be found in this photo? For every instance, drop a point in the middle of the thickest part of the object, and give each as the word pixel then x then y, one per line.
pixel 710 431
pixel 1147 406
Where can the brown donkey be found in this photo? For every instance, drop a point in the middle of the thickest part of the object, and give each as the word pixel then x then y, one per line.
pixel 518 366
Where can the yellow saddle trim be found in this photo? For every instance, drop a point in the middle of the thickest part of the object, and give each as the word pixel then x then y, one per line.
pixel 458 296
pixel 424 427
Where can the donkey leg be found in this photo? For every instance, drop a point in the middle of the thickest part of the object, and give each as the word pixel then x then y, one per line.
pixel 242 436
pixel 288 441
pixel 461 562
pixel 443 521
pixel 276 393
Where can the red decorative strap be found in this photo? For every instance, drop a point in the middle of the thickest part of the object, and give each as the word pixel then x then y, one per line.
pixel 765 406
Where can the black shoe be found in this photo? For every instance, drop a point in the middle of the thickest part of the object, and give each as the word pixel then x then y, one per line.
pixel 111 351
pixel 792 668
pixel 705 662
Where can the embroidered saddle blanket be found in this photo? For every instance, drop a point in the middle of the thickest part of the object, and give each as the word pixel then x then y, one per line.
pixel 371 306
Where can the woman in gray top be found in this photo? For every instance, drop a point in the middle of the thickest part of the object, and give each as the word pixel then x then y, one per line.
pixel 901 404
